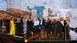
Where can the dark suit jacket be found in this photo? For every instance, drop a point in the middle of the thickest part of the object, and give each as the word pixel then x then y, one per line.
pixel 60 28
pixel 29 25
pixel 7 25
pixel 18 27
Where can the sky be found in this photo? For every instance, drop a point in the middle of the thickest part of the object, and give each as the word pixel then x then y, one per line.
pixel 53 3
pixel 74 3
pixel 21 4
pixel 2 5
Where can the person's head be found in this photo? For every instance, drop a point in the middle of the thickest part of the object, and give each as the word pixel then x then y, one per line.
pixel 4 17
pixel 11 18
pixel 29 19
pixel 61 18
pixel 36 19
pixel 67 19
pixel 46 18
pixel 18 18
pixel 53 19
pixel 40 18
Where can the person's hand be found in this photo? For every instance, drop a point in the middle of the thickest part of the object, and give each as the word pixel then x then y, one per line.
pixel 24 32
pixel 32 33
pixel 26 41
pixel 58 34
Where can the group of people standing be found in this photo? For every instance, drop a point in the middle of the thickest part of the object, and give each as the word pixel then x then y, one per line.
pixel 11 26
pixel 57 27
pixel 30 26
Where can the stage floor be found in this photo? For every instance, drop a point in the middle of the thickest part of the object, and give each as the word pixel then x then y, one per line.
pixel 10 39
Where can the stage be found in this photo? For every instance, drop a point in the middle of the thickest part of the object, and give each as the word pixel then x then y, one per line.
pixel 52 41
pixel 4 38
pixel 17 39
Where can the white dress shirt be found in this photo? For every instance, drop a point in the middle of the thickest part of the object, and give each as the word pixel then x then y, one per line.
pixel 36 23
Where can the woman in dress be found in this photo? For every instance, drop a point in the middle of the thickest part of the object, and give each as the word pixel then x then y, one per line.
pixel 12 27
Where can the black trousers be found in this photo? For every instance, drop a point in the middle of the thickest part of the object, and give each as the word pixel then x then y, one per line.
pixel 29 30
pixel 36 29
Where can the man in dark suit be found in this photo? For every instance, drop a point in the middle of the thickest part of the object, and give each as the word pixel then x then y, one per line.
pixel 0 25
pixel 60 30
pixel 47 27
pixel 29 27
pixel 67 28
pixel 21 21
pixel 18 26
pixel 54 26
pixel 6 24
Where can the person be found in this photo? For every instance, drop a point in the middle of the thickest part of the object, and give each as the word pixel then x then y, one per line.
pixel 50 25
pixel 60 29
pixel 21 25
pixel 24 25
pixel 12 27
pixel 29 27
pixel 8 24
pixel 18 26
pixel 54 25
pixel 0 25
pixel 36 26
pixel 4 25
pixel 47 27
pixel 65 23
pixel 67 28
pixel 41 24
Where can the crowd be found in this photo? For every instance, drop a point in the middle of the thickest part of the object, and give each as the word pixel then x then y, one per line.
pixel 50 27
pixel 11 25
